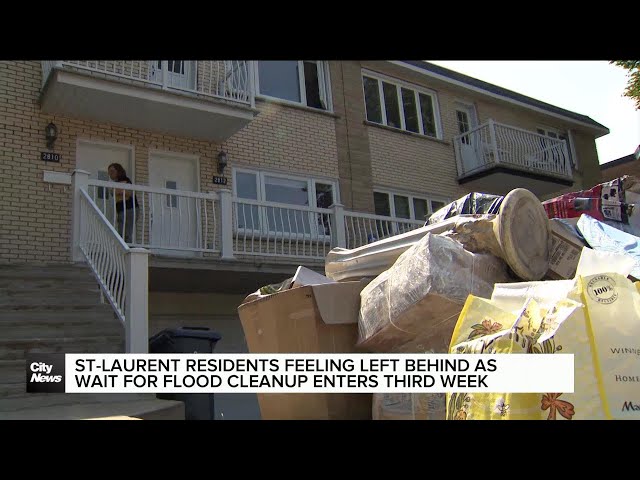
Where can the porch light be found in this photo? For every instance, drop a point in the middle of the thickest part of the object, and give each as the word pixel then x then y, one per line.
pixel 222 161
pixel 51 135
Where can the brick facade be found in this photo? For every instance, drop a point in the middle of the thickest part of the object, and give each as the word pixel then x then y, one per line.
pixel 413 159
pixel 339 146
pixel 36 215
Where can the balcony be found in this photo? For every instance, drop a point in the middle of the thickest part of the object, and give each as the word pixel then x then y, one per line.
pixel 206 100
pixel 219 226
pixel 497 158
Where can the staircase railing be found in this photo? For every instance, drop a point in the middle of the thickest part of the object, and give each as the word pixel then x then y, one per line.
pixel 122 272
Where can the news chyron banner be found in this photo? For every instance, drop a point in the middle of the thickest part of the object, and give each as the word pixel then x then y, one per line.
pixel 299 373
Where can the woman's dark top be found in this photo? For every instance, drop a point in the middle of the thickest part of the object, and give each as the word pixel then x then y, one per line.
pixel 120 205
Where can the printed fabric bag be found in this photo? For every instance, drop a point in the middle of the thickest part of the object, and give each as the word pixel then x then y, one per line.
pixel 595 317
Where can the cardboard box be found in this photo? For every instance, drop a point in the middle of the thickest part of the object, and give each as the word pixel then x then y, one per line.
pixel 565 251
pixel 309 319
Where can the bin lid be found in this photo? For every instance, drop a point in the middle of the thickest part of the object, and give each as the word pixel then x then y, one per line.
pixel 192 332
pixel 524 233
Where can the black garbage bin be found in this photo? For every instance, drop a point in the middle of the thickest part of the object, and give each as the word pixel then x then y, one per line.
pixel 198 406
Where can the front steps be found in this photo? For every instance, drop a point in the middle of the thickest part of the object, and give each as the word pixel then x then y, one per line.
pixel 57 309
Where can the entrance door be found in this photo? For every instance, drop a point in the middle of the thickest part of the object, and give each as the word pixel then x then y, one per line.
pixel 180 73
pixel 469 145
pixel 95 158
pixel 174 219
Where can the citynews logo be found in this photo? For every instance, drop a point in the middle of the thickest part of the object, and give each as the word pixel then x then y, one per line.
pixel 45 373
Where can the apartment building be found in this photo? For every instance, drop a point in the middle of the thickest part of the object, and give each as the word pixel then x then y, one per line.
pixel 243 170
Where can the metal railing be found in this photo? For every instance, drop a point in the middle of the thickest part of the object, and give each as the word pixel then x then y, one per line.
pixel 169 221
pixel 105 252
pixel 159 218
pixel 493 144
pixel 363 228
pixel 276 229
pixel 121 272
pixel 225 79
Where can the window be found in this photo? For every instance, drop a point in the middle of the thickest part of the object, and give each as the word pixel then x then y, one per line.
pixel 299 81
pixel 554 155
pixel 398 106
pixel 172 200
pixel 399 205
pixel 286 190
pixel 102 192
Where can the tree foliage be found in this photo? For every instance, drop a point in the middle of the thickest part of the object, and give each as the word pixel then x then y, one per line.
pixel 633 86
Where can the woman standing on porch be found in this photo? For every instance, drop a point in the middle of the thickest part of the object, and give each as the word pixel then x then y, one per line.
pixel 125 201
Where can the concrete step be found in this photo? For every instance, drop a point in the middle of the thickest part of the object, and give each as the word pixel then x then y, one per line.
pixel 48 272
pixel 55 307
pixel 82 327
pixel 83 281
pixel 25 400
pixel 17 348
pixel 143 409
pixel 13 371
pixel 60 406
pixel 49 296
pixel 68 315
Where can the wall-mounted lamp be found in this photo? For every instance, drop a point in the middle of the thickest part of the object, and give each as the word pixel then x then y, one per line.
pixel 51 134
pixel 222 161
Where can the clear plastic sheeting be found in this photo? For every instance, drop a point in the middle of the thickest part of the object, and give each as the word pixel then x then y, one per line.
pixel 409 406
pixel 471 204
pixel 413 306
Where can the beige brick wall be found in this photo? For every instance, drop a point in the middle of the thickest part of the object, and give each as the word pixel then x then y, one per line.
pixel 36 220
pixel 36 215
pixel 393 153
pixel 413 164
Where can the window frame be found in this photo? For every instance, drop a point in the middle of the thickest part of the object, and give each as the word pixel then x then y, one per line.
pixel 417 90
pixel 261 194
pixel 411 196
pixel 324 84
pixel 567 137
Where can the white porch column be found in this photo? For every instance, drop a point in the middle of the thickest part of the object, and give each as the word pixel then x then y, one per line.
pixel 137 301
pixel 79 181
pixel 226 224
pixel 339 227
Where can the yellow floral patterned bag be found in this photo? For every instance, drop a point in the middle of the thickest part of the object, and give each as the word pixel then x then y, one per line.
pixel 596 317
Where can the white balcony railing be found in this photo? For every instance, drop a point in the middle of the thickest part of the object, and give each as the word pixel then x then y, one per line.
pixel 230 80
pixel 174 222
pixel 121 271
pixel 494 144
pixel 275 229
pixel 362 228
pixel 160 218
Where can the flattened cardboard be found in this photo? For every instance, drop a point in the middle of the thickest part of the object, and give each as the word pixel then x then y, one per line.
pixel 293 322
pixel 565 252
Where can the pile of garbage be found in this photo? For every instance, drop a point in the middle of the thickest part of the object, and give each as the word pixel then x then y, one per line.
pixel 406 294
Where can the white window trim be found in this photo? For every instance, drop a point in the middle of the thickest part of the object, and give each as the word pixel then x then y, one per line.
pixel 568 135
pixel 260 190
pixel 417 89
pixel 124 146
pixel 324 84
pixel 429 198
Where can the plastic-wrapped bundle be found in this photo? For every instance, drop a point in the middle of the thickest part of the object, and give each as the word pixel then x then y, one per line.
pixel 413 306
pixel 409 406
pixel 471 204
